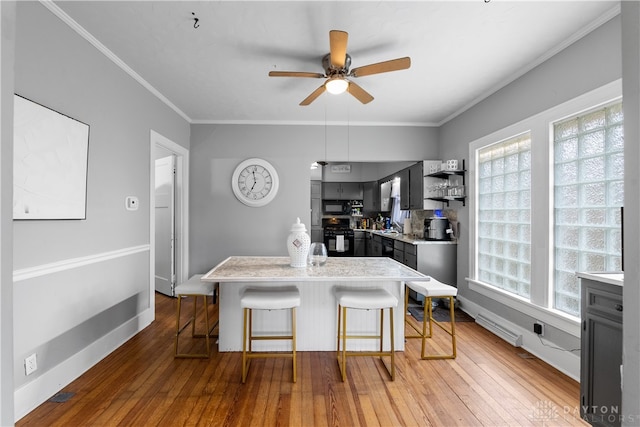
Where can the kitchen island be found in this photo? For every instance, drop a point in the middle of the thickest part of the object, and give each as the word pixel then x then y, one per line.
pixel 317 315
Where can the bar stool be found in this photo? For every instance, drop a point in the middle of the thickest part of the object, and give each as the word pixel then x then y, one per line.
pixel 267 299
pixel 363 299
pixel 432 289
pixel 195 288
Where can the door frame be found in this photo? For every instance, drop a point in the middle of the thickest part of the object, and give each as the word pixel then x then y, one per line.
pixel 182 209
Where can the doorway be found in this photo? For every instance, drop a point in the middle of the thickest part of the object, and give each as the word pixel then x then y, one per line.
pixel 168 214
pixel 165 213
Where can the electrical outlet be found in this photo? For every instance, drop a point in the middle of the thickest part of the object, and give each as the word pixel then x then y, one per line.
pixel 538 328
pixel 30 364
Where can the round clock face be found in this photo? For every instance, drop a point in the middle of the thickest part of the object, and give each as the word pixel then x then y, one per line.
pixel 255 182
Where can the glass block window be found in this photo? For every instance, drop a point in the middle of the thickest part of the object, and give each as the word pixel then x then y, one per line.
pixel 588 194
pixel 504 215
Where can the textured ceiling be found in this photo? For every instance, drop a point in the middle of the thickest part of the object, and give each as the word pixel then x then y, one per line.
pixel 461 51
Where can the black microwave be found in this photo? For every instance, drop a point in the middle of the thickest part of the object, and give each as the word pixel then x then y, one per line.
pixel 336 207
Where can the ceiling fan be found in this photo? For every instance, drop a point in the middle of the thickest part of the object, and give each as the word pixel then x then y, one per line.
pixel 336 65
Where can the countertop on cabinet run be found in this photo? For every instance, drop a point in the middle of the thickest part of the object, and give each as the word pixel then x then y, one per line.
pixel 409 238
pixel 613 278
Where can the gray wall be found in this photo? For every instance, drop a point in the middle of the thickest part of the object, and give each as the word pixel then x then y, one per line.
pixel 59 314
pixel 589 63
pixel 221 226
pixel 7 47
pixel 631 294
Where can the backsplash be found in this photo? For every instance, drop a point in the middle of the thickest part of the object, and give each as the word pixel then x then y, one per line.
pixel 418 217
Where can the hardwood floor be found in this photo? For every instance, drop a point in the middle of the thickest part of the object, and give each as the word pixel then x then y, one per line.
pixel 489 384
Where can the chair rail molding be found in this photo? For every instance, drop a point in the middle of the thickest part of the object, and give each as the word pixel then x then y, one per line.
pixel 71 263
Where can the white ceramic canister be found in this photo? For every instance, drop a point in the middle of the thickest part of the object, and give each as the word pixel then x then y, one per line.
pixel 298 244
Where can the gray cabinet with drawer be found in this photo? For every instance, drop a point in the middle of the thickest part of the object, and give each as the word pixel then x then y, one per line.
pixel 376 245
pixel 359 243
pixel 405 253
pixel 601 352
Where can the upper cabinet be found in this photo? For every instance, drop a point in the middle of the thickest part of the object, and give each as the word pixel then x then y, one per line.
pixel 342 191
pixel 416 194
pixel 411 187
pixel 405 189
pixel 371 196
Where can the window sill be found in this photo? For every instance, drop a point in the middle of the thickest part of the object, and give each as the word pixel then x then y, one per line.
pixel 554 318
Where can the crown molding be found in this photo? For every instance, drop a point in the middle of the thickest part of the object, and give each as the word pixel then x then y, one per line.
pixel 64 17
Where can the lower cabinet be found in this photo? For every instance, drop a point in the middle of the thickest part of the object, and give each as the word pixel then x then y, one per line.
pixel 601 353
pixel 376 246
pixel 437 260
pixel 368 244
pixel 359 243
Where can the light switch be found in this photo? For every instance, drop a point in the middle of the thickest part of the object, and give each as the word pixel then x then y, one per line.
pixel 131 203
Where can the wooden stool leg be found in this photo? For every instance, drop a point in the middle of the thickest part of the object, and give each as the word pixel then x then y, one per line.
pixel 338 333
pixel 381 330
pixel 453 325
pixel 250 330
pixel 206 323
pixel 177 324
pixel 451 331
pixel 344 344
pixel 393 352
pixel 195 313
pixel 244 345
pixel 293 340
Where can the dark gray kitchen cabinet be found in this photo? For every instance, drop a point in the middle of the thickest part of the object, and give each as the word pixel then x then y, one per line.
pixel 368 239
pixel 416 184
pixel 405 253
pixel 376 245
pixel 411 187
pixel 342 191
pixel 371 196
pixel 359 243
pixel 601 352
pixel 405 189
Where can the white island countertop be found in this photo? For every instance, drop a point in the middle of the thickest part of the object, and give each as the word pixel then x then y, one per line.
pixel 277 269
pixel 316 317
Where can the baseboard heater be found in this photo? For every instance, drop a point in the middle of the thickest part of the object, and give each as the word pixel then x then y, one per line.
pixel 509 336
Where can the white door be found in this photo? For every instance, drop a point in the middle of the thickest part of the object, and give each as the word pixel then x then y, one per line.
pixel 165 225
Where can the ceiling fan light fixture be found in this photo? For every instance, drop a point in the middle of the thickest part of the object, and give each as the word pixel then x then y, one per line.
pixel 336 85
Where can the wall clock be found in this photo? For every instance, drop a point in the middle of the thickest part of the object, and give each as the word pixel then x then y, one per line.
pixel 255 182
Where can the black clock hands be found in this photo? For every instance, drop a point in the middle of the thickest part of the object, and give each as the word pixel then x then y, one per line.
pixel 254 180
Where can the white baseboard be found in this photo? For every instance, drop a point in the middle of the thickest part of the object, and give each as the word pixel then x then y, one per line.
pixel 565 361
pixel 31 395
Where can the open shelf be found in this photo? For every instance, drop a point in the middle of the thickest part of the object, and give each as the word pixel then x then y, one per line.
pixel 445 175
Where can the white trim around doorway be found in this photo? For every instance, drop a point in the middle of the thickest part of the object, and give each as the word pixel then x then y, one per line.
pixel 182 208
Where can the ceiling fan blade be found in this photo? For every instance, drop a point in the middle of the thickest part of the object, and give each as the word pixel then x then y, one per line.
pixel 295 74
pixel 338 45
pixel 316 93
pixel 359 93
pixel 382 67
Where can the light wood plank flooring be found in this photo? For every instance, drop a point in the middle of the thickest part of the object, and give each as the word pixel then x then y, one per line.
pixel 489 384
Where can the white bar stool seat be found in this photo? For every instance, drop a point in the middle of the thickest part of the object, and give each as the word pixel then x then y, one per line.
pixel 363 299
pixel 194 287
pixel 268 298
pixel 433 289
